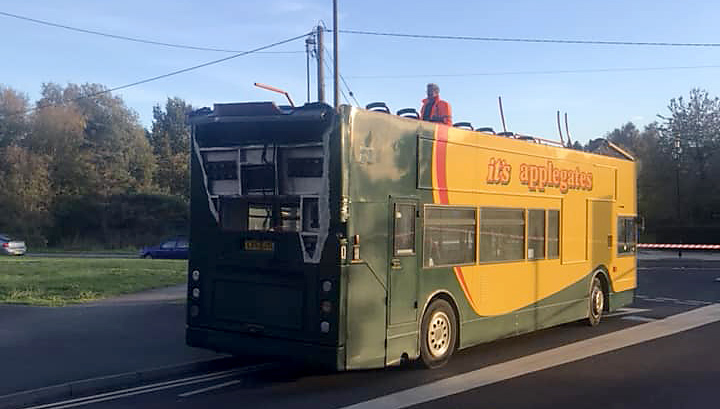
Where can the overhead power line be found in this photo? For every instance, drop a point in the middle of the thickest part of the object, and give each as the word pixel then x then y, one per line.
pixel 342 77
pixel 170 74
pixel 133 39
pixel 529 40
pixel 329 73
pixel 547 72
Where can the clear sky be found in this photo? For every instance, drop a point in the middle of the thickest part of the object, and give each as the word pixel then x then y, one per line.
pixel 394 70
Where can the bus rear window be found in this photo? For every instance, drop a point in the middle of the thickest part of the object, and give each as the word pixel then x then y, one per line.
pixel 269 214
pixel 258 179
pixel 305 167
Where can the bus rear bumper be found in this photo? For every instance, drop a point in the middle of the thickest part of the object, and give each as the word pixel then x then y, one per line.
pixel 305 353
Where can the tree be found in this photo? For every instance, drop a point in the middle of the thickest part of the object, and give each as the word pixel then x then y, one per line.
pixel 26 193
pixel 13 116
pixel 59 133
pixel 696 124
pixel 691 133
pixel 626 136
pixel 113 142
pixel 170 139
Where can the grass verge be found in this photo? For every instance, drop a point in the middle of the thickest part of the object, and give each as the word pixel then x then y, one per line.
pixel 61 281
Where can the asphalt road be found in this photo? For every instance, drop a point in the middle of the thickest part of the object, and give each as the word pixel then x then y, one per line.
pixel 679 370
pixel 42 346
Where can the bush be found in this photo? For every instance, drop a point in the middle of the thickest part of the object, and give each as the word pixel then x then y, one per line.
pixel 120 221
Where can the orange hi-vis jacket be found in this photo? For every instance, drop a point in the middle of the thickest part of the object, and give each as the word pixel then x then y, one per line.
pixel 439 112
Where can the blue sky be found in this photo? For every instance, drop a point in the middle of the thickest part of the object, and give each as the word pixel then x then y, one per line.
pixel 386 69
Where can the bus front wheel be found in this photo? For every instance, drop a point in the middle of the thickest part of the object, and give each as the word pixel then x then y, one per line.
pixel 596 304
pixel 438 334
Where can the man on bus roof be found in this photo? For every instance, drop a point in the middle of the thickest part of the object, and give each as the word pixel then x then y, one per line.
pixel 434 109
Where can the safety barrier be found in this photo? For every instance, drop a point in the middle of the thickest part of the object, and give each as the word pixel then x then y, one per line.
pixel 680 246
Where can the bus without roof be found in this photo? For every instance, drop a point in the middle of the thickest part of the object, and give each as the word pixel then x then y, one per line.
pixel 353 239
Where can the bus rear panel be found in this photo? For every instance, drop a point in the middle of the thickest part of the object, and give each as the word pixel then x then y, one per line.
pixel 263 267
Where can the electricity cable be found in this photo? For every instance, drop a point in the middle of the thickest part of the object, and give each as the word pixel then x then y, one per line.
pixel 547 72
pixel 342 78
pixel 528 40
pixel 329 73
pixel 133 39
pixel 170 74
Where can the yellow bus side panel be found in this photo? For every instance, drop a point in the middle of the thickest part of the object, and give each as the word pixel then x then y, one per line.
pixel 463 175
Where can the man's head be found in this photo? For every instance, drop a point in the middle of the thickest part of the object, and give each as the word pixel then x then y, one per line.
pixel 433 90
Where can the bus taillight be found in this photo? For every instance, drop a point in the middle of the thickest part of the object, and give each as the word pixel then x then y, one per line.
pixel 356 248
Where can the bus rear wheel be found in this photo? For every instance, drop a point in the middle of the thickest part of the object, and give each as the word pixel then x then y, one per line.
pixel 596 304
pixel 438 334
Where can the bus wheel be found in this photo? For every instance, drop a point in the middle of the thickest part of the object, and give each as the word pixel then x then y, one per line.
pixel 596 303
pixel 438 334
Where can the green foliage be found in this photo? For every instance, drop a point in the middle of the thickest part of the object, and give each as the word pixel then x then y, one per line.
pixel 678 165
pixel 26 193
pixel 13 118
pixel 170 140
pixel 691 136
pixel 119 220
pixel 81 168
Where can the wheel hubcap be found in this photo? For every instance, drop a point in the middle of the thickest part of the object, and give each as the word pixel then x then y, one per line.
pixel 438 335
pixel 598 302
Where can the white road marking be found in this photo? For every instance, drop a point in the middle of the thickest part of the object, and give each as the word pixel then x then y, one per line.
pixel 130 391
pixel 625 311
pixel 692 302
pixel 87 400
pixel 546 359
pixel 210 388
pixel 639 318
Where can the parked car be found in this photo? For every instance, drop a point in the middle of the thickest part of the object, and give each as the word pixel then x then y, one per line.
pixel 176 247
pixel 11 247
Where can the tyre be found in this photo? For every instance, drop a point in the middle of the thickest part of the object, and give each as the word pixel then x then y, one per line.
pixel 596 303
pixel 438 334
pixel 147 256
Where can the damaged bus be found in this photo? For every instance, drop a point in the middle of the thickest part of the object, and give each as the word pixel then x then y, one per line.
pixel 356 239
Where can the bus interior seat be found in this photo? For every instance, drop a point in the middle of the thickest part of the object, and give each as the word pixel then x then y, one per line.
pixel 408 113
pixel 526 138
pixel 464 125
pixel 485 129
pixel 378 106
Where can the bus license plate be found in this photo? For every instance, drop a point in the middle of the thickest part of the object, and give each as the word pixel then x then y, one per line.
pixel 257 245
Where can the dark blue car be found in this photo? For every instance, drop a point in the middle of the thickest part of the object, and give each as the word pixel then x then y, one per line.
pixel 176 247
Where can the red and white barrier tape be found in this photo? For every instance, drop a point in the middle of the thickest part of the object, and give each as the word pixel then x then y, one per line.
pixel 680 246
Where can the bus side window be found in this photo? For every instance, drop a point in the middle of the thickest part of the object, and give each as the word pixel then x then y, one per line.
pixel 502 234
pixel 536 234
pixel 449 237
pixel 404 240
pixel 553 233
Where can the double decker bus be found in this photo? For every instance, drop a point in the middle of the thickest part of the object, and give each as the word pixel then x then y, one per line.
pixel 357 239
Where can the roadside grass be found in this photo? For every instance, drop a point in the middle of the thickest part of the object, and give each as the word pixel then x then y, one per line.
pixel 62 281
pixel 52 250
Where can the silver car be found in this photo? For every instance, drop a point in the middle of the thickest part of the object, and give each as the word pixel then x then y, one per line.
pixel 11 247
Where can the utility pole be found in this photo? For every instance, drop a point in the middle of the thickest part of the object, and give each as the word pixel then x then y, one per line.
pixel 320 65
pixel 309 48
pixel 336 73
pixel 677 153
